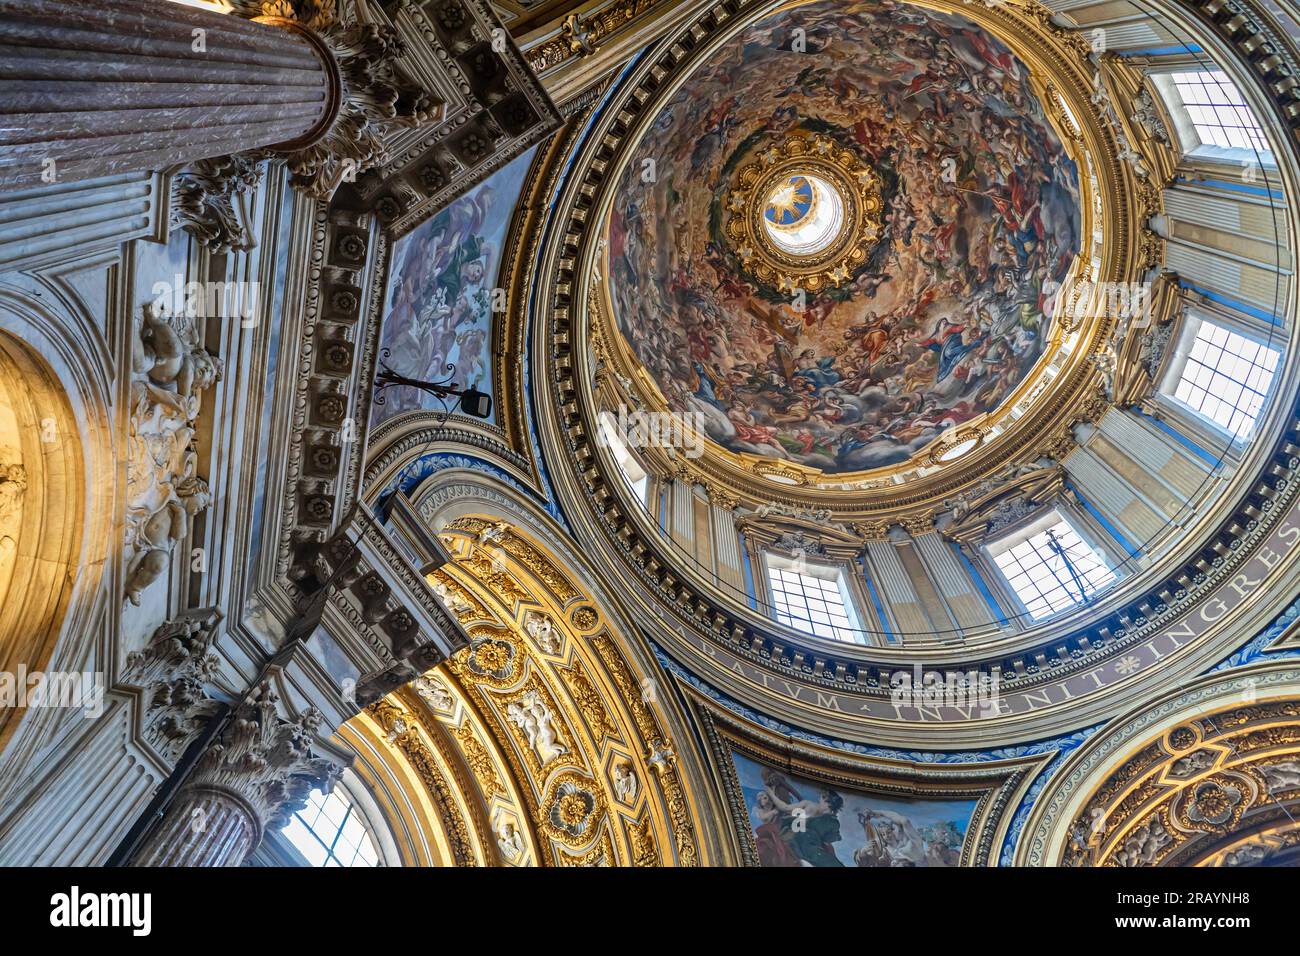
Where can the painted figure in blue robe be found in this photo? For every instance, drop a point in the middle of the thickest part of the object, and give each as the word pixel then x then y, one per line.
pixel 820 372
pixel 705 391
pixel 948 342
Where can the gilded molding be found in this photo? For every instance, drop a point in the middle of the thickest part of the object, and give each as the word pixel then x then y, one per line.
pixel 1167 782
pixel 403 735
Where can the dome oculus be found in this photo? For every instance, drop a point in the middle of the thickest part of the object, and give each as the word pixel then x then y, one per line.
pixel 804 214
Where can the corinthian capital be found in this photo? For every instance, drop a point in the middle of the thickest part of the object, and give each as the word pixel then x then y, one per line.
pixel 374 97
pixel 175 669
pixel 266 760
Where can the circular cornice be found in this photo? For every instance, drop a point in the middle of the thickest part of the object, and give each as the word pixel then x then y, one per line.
pixel 1052 681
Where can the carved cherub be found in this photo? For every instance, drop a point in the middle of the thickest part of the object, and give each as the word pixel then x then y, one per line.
pixel 625 782
pixel 509 840
pixel 493 532
pixel 154 540
pixel 1105 362
pixel 543 632
pixel 194 496
pixel 531 715
pixel 167 357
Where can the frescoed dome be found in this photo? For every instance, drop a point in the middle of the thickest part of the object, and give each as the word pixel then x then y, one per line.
pixel 850 244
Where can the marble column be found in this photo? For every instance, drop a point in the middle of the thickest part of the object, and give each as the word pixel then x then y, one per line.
pixel 256 772
pixel 203 827
pixel 92 88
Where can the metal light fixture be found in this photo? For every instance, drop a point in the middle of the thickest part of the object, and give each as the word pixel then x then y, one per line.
pixel 476 403
pixel 473 402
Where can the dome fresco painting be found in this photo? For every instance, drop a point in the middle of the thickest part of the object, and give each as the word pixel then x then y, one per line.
pixel 949 309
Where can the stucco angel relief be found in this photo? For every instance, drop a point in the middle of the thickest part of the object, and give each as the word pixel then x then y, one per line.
pixel 169 369
pixel 534 718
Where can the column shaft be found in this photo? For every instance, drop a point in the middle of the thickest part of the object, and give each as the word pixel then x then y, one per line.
pixel 202 827
pixel 110 86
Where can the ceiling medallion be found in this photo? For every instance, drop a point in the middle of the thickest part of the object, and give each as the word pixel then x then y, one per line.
pixel 804 214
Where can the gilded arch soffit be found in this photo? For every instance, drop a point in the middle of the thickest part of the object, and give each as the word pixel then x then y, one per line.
pixel 400 748
pixel 1209 775
pixel 568 715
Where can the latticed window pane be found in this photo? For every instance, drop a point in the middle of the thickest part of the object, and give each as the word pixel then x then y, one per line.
pixel 329 831
pixel 1226 377
pixel 816 605
pixel 1052 570
pixel 1217 111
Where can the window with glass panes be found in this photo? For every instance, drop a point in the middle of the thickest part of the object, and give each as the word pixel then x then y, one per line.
pixel 1225 377
pixel 636 476
pixel 1216 109
pixel 330 831
pixel 816 603
pixel 1051 569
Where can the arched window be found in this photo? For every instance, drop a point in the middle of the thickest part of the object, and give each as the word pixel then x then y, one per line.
pixel 332 831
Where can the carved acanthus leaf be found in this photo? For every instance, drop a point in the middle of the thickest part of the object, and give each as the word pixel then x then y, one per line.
pixel 267 760
pixel 375 98
pixel 175 668
pixel 314 14
pixel 210 199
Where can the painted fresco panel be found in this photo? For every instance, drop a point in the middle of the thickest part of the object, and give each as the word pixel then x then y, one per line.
pixel 800 822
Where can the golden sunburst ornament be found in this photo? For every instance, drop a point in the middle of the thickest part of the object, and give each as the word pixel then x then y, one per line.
pixel 803 214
